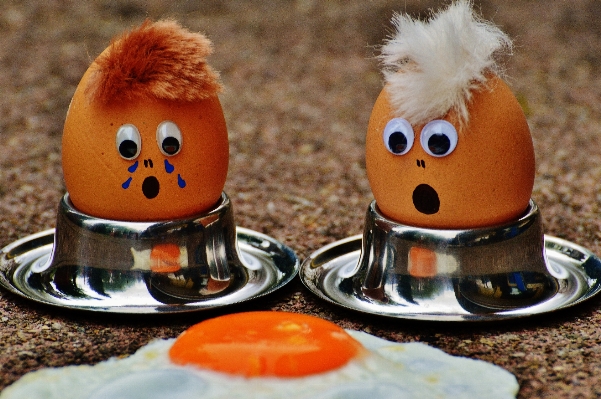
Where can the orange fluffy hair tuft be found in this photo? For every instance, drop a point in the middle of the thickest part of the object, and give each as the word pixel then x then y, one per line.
pixel 158 59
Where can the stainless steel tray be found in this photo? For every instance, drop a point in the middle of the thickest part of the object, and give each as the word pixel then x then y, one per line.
pixel 326 273
pixel 272 265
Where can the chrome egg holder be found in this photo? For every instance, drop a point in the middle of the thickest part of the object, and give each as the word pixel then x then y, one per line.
pixel 505 271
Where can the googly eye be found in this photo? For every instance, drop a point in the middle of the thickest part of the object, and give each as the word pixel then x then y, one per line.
pixel 398 136
pixel 129 142
pixel 169 138
pixel 438 138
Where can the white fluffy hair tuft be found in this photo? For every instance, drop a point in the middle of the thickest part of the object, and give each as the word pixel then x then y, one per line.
pixel 432 67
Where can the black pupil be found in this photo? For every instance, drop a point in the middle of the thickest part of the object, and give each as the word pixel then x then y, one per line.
pixel 128 148
pixel 170 145
pixel 397 142
pixel 439 144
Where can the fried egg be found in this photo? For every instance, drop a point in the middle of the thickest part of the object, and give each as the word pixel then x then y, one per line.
pixel 272 355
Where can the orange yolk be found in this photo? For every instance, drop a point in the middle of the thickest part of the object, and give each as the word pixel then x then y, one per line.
pixel 264 344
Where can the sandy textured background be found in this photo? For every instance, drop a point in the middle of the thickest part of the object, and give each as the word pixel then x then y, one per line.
pixel 301 81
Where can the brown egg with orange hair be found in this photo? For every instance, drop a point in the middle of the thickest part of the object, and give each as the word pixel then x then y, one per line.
pixel 145 137
pixel 448 145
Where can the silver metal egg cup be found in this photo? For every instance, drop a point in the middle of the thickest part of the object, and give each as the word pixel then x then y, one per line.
pixel 104 265
pixel 500 272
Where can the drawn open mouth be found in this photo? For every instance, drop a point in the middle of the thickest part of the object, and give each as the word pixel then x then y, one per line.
pixel 425 199
pixel 150 187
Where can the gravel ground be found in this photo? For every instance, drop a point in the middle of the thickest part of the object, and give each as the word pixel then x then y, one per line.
pixel 300 83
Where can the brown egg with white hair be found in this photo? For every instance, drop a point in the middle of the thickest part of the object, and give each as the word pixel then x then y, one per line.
pixel 448 145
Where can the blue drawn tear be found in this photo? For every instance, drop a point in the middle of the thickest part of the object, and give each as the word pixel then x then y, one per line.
pixel 168 167
pixel 180 182
pixel 132 169
pixel 127 183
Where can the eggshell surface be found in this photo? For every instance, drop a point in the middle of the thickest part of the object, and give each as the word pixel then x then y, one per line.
pixel 383 370
pixel 486 180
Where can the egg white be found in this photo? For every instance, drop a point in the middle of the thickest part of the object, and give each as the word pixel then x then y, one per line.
pixel 390 370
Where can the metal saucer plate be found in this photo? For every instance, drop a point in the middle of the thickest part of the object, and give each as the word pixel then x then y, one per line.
pixel 326 271
pixel 274 266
